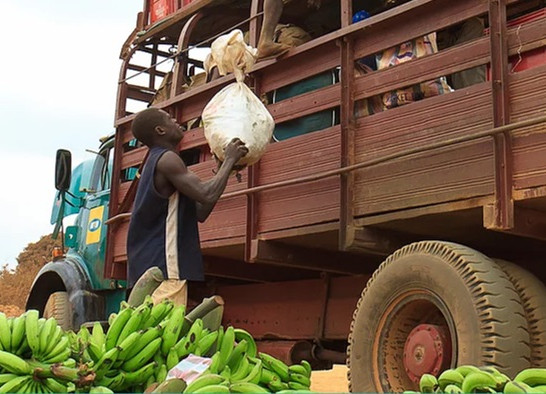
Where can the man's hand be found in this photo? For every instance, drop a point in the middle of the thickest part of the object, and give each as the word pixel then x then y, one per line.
pixel 235 150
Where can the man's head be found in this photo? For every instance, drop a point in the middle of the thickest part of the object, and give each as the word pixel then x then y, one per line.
pixel 155 127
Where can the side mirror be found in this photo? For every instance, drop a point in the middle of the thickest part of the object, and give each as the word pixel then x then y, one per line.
pixel 63 170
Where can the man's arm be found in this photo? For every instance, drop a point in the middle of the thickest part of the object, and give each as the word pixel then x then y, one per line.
pixel 205 194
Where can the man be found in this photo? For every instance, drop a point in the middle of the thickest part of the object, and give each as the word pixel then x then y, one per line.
pixel 170 199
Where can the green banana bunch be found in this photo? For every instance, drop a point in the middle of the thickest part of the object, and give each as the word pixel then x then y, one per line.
pixel 237 354
pixel 158 313
pixel 276 366
pixel 205 343
pixel 142 357
pixel 226 347
pixel 241 369
pixel 254 375
pixel 116 327
pixel 147 336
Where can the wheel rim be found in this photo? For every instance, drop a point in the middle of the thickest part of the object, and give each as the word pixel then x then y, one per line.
pixel 416 335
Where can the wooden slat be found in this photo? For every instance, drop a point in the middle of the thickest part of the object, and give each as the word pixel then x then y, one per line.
pixel 305 204
pixel 133 158
pixel 529 145
pixel 424 122
pixel 123 189
pixel 446 174
pixel 306 104
pixel 139 93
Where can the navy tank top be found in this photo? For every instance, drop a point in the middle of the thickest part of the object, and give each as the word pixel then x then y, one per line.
pixel 163 232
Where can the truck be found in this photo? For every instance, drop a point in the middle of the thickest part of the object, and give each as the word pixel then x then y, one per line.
pixel 400 242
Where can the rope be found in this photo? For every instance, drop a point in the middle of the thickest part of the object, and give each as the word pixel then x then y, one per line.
pixel 192 47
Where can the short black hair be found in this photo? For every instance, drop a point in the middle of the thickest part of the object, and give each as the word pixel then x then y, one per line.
pixel 145 122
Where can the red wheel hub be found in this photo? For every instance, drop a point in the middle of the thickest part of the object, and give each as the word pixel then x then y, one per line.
pixel 427 350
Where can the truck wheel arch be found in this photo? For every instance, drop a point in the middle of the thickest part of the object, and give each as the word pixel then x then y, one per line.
pixel 66 275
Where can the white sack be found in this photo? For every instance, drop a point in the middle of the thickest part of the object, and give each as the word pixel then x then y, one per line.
pixel 236 112
pixel 231 54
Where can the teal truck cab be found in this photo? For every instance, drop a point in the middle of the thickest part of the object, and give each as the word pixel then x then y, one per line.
pixel 72 287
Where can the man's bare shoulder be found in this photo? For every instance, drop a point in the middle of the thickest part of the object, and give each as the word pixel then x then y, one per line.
pixel 170 161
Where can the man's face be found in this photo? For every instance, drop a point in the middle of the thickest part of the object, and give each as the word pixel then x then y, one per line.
pixel 172 129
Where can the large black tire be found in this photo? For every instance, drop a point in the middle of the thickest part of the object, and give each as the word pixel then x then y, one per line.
pixel 442 284
pixel 58 306
pixel 533 296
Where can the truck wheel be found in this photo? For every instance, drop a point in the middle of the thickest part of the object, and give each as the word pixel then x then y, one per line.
pixel 58 306
pixel 431 306
pixel 532 293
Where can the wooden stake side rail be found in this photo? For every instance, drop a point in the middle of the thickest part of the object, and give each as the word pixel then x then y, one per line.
pixel 429 152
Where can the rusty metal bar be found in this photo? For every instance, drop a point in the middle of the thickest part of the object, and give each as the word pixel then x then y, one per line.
pixel 369 163
pixel 504 204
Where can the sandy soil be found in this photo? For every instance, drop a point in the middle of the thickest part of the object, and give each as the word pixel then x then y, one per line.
pixel 332 381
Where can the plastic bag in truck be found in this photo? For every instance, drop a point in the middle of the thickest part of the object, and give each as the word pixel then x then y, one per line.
pixel 235 111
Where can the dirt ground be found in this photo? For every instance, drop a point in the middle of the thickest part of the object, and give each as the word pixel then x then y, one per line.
pixel 332 381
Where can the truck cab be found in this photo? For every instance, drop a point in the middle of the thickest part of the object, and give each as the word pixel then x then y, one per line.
pixel 73 288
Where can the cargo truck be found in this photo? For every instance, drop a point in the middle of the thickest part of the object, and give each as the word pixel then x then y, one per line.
pixel 402 242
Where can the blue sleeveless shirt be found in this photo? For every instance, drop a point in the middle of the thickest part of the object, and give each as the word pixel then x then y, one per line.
pixel 163 232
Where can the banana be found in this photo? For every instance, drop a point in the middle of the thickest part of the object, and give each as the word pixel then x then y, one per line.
pixel 255 373
pixel 100 390
pixel 452 389
pixel 17 333
pixel 23 349
pixel 45 335
pixel 246 387
pixel 32 332
pixel 172 329
pixel 216 346
pixel 148 336
pixel 188 343
pixel 517 387
pixel 95 351
pixel 105 363
pixel 132 325
pixel 478 380
pixel 203 381
pixel 14 364
pixel 161 373
pixel 297 368
pixel 13 385
pixel 205 343
pixel 54 386
pixel 299 378
pixel 172 358
pixel 541 388
pixel 500 378
pixel 450 376
pixel 156 314
pixel 237 354
pixel 116 327
pixel 267 376
pixel 60 357
pixel 213 388
pixel 111 318
pixel 297 386
pixel 466 369
pixel 58 334
pixel 114 383
pixel 142 357
pixel 307 366
pixel 126 345
pixel 532 377
pixel 275 365
pixel 97 334
pixel 241 370
pixel 171 386
pixel 59 348
pixel 428 383
pixel 141 375
pixel 226 347
pixel 226 373
pixel 215 362
pixel 6 377
pixel 5 333
pixel 241 334
pixel 70 362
